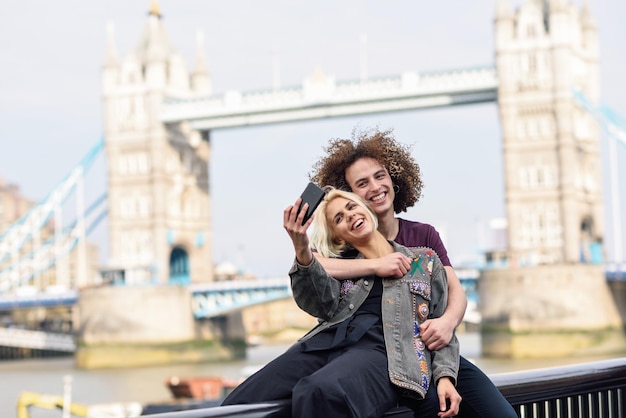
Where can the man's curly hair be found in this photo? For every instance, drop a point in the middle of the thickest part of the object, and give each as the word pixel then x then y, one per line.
pixel 380 145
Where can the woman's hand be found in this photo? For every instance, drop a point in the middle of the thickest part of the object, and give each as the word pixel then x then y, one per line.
pixel 449 398
pixel 292 222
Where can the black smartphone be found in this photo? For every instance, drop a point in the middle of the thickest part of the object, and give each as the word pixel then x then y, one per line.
pixel 312 195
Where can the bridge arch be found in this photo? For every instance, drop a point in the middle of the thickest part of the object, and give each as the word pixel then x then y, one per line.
pixel 179 267
pixel 591 242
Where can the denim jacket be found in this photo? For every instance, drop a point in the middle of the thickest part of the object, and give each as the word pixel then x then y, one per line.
pixel 407 302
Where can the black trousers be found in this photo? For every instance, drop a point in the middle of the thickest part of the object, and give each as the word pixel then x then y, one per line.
pixel 351 378
pixel 481 398
pixel 353 382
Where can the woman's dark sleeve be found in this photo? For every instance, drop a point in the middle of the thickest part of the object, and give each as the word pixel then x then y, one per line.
pixel 314 290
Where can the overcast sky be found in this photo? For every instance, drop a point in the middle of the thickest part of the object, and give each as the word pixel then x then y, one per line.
pixel 51 114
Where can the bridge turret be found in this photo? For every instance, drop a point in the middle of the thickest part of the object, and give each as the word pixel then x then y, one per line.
pixel 111 72
pixel 504 33
pixel 504 23
pixel 153 51
pixel 200 78
pixel 111 66
pixel 590 45
pixel 503 9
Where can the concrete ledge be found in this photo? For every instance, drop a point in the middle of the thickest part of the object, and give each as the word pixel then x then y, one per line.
pixel 137 355
pixel 548 311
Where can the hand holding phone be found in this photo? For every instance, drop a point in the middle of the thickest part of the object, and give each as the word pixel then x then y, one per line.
pixel 313 195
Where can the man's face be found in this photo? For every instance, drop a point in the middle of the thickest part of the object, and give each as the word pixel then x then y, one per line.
pixel 371 181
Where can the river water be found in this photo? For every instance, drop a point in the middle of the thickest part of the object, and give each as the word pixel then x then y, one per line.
pixel 147 384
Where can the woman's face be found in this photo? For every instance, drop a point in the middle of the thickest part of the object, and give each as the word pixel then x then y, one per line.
pixel 371 181
pixel 348 221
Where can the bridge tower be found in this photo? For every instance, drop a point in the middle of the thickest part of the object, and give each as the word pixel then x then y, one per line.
pixel 551 145
pixel 545 50
pixel 159 200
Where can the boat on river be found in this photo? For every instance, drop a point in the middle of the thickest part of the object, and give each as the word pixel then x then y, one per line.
pixel 203 387
pixel 192 393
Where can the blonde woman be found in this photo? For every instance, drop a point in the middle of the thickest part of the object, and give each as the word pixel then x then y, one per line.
pixel 367 352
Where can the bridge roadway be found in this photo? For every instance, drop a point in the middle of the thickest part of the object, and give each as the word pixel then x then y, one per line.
pixel 208 299
pixel 320 96
pixel 219 298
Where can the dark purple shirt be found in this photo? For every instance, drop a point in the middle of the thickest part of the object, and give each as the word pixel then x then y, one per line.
pixel 417 234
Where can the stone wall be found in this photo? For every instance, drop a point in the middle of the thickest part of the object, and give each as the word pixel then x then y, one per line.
pixel 149 325
pixel 281 321
pixel 131 326
pixel 618 290
pixel 548 311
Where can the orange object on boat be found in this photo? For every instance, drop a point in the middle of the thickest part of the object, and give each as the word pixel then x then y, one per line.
pixel 207 387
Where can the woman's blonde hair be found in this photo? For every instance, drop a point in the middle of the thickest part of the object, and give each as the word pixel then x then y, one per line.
pixel 322 237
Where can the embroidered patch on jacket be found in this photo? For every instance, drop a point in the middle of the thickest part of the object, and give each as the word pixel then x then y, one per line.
pixel 346 286
pixel 422 265
pixel 421 357
pixel 422 310
pixel 421 288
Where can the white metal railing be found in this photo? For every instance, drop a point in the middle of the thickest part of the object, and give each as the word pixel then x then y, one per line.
pixel 13 337
pixel 29 296
pixel 238 284
pixel 218 298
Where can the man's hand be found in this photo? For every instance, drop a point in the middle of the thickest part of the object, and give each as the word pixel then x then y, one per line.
pixel 437 332
pixel 392 265
pixel 449 398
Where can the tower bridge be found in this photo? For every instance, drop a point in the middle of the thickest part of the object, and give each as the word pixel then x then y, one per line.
pixel 158 119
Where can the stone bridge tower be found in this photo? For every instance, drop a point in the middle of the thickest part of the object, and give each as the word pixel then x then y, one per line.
pixel 159 201
pixel 551 145
pixel 545 50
